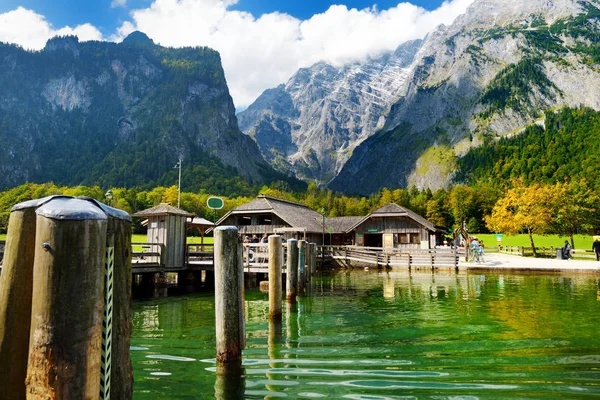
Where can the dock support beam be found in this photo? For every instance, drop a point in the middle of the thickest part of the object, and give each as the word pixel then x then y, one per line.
pixel 228 296
pixel 292 271
pixel 66 323
pixel 16 284
pixel 301 265
pixel 275 284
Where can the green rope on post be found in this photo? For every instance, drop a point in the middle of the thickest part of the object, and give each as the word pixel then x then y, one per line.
pixel 105 367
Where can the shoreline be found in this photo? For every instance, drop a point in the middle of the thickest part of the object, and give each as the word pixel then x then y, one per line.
pixel 515 263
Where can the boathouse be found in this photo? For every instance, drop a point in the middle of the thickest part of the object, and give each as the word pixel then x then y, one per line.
pixel 271 215
pixel 393 226
pixel 167 228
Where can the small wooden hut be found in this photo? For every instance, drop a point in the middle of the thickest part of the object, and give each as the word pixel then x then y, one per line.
pixel 167 227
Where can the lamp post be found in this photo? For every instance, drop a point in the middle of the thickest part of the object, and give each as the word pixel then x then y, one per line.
pixel 178 165
pixel 109 196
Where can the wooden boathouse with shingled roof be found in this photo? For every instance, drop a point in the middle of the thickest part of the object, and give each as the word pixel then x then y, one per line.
pixel 271 215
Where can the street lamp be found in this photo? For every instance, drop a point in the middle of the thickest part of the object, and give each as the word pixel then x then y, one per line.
pixel 109 196
pixel 178 165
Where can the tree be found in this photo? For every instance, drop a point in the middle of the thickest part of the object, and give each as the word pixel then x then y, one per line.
pixel 575 208
pixel 523 209
pixel 461 201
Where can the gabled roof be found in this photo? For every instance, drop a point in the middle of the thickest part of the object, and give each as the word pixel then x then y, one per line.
pixel 342 224
pixel 394 210
pixel 198 222
pixel 163 209
pixel 294 214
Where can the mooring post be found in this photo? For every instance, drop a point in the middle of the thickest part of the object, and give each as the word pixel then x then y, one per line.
pixel 308 262
pixel 314 258
pixel 292 271
pixel 228 296
pixel 275 287
pixel 16 283
pixel 66 320
pixel 301 265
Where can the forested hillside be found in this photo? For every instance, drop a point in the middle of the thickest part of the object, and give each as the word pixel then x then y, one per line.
pixel 567 147
pixel 108 114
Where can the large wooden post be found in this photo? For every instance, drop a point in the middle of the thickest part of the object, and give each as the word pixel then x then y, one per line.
pixel 228 296
pixel 16 283
pixel 275 284
pixel 292 271
pixel 301 265
pixel 66 315
pixel 309 250
pixel 313 254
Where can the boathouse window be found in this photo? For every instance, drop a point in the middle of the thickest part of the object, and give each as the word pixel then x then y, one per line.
pixel 415 238
pixel 244 221
pixel 264 220
pixel 403 238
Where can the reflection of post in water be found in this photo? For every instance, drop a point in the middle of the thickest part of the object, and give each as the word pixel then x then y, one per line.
pixel 389 287
pixel 291 324
pixel 230 381
pixel 274 349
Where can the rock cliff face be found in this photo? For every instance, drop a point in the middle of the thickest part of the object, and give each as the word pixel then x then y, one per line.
pixel 111 114
pixel 494 71
pixel 312 124
pixel 404 119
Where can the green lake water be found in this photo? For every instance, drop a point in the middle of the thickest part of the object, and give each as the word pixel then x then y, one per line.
pixel 372 335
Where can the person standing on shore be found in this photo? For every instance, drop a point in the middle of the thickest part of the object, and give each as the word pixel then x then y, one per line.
pixel 596 247
pixel 566 250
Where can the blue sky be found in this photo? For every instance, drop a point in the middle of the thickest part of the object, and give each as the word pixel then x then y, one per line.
pixel 262 43
pixel 107 19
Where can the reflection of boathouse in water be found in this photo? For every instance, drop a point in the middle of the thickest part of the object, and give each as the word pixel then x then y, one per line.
pixel 391 226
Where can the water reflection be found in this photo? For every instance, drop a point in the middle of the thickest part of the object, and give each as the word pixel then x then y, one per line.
pixel 374 334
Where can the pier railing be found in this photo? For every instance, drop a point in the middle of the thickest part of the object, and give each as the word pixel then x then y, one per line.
pixel 380 257
pixel 147 254
pixel 546 252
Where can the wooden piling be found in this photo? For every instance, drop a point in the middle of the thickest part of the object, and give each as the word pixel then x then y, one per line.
pixel 314 258
pixel 292 271
pixel 66 314
pixel 301 265
pixel 228 296
pixel 16 284
pixel 275 284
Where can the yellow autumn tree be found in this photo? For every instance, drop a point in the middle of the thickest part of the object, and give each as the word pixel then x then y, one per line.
pixel 523 208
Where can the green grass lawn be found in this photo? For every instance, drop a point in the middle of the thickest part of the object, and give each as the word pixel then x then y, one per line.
pixel 191 239
pixel 583 242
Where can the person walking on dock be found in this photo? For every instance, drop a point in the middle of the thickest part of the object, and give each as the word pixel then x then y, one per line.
pixel 596 247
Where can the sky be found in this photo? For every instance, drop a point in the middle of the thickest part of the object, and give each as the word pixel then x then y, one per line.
pixel 262 42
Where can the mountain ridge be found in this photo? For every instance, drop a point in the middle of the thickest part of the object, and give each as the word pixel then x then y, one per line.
pixel 121 115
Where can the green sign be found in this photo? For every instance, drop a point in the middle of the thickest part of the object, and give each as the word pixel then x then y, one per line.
pixel 215 203
pixel 330 230
pixel 372 230
pixel 499 236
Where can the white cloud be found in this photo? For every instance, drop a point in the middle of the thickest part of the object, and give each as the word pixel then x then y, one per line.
pixel 118 3
pixel 31 30
pixel 259 53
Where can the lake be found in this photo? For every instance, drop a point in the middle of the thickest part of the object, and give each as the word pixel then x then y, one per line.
pixel 378 335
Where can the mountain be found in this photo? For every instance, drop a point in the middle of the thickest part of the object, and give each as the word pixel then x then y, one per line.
pixel 498 68
pixel 407 118
pixel 312 124
pixel 109 114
